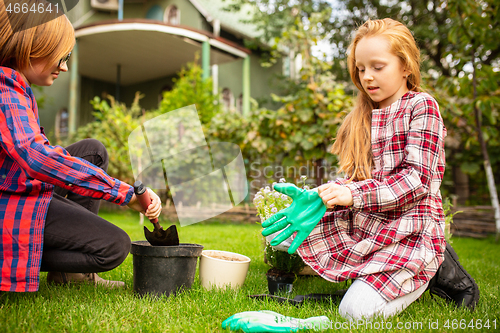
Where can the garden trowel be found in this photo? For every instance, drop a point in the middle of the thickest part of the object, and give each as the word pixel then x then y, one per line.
pixel 158 237
pixel 299 299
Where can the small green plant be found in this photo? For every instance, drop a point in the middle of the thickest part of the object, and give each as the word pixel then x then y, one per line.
pixel 268 202
pixel 282 262
pixel 448 218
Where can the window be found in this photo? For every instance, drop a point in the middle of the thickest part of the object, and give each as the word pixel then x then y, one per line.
pixel 155 13
pixel 227 98
pixel 172 15
pixel 62 123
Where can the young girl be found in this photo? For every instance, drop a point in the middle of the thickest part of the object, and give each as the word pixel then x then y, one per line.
pixel 49 196
pixel 385 229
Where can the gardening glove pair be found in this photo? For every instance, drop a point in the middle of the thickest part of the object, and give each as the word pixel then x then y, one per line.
pixel 269 321
pixel 306 210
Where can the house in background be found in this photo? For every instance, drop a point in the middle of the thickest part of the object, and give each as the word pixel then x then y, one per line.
pixel 140 45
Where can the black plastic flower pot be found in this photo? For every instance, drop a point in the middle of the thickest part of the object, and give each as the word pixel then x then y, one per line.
pixel 280 283
pixel 164 270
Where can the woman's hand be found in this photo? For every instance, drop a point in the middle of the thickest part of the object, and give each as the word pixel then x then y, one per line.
pixel 333 194
pixel 154 208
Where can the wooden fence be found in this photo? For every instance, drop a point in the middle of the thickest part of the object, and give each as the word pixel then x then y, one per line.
pixel 477 222
pixel 241 214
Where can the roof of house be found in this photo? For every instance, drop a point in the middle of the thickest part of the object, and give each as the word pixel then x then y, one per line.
pixel 229 20
pixel 145 49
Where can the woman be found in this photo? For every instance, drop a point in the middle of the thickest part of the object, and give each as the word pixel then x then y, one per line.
pixel 49 196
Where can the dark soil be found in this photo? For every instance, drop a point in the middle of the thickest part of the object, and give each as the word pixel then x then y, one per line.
pixel 275 272
pixel 223 257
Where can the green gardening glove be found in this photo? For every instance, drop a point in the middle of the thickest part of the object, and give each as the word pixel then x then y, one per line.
pixel 269 321
pixel 302 216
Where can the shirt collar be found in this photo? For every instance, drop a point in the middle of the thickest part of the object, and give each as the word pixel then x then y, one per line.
pixel 14 75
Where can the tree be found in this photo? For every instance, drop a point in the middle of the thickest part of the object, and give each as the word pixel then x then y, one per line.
pixel 460 66
pixel 474 37
pixel 314 102
pixel 428 20
pixel 274 18
pixel 190 88
pixel 299 131
pixel 435 25
pixel 447 74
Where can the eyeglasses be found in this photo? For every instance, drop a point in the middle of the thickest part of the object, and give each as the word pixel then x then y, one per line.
pixel 64 60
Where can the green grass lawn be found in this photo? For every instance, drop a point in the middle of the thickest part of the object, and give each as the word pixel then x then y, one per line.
pixel 85 308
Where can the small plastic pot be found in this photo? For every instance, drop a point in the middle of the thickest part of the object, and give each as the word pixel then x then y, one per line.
pixel 282 284
pixel 163 270
pixel 221 269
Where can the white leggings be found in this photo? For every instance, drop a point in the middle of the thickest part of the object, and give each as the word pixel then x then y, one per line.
pixel 363 302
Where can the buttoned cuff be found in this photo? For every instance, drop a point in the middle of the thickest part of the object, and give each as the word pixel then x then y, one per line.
pixel 356 196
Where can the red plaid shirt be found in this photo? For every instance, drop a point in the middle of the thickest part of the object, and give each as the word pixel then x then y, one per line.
pixel 393 236
pixel 29 169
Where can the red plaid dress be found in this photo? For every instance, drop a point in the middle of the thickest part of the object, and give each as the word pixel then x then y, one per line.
pixel 29 169
pixel 393 236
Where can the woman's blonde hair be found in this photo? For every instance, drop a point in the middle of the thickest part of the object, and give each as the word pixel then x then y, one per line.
pixel 29 36
pixel 353 141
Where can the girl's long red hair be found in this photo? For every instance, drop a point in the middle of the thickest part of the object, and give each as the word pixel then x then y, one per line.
pixel 353 141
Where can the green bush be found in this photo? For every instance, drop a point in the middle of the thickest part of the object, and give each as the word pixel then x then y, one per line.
pixel 112 126
pixel 113 122
pixel 190 88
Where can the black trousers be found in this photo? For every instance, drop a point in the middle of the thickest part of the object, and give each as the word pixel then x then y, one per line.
pixel 76 239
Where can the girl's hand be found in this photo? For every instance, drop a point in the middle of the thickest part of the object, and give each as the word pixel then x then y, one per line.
pixel 333 194
pixel 154 208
